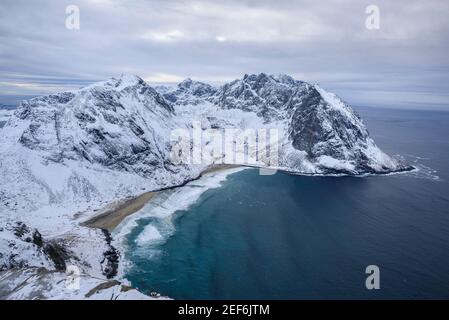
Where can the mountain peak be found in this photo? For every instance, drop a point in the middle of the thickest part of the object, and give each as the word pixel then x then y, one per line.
pixel 263 78
pixel 284 78
pixel 186 83
pixel 126 80
pixel 117 83
pixel 192 84
pixel 189 91
pixel 255 77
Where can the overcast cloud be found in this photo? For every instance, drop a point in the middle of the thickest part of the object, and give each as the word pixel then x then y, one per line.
pixel 403 64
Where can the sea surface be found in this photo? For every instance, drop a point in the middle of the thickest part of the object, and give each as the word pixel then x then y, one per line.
pixel 242 235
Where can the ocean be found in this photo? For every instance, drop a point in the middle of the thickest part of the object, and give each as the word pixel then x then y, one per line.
pixel 242 235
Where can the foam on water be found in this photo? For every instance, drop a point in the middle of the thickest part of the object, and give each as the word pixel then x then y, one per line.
pixel 421 171
pixel 161 208
pixel 150 233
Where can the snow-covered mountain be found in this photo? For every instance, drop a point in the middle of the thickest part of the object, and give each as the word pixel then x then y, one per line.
pixel 189 92
pixel 64 156
pixel 104 141
pixel 321 133
pixel 5 113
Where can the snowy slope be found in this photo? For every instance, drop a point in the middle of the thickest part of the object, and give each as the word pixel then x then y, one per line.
pixel 104 142
pixel 40 283
pixel 5 114
pixel 65 156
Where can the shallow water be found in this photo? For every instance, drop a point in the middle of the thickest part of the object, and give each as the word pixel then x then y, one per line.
pixel 295 237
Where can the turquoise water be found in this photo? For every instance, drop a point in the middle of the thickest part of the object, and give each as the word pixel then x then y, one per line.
pixel 296 237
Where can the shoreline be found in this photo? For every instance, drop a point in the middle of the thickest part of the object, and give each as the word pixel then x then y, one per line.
pixel 113 214
pixel 111 217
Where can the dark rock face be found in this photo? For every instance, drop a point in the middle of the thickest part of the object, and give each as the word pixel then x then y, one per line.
pixel 319 123
pixel 190 92
pixel 309 128
pixel 37 239
pixel 111 257
pixel 94 125
pixel 265 95
pixel 57 253
pixel 196 88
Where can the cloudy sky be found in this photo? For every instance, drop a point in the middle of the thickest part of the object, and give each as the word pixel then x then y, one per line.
pixel 404 63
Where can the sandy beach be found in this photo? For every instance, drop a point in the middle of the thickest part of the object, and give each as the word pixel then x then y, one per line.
pixel 110 218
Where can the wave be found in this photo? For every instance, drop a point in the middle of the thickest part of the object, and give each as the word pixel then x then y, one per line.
pixel 160 209
pixel 421 170
pixel 149 234
pixel 424 172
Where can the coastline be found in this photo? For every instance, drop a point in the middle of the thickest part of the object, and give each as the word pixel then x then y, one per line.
pixel 113 214
pixel 111 218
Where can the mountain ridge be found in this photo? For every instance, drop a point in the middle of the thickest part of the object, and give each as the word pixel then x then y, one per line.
pixel 64 156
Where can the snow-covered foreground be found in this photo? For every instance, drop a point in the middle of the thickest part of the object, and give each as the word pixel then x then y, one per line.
pixel 40 283
pixel 63 157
